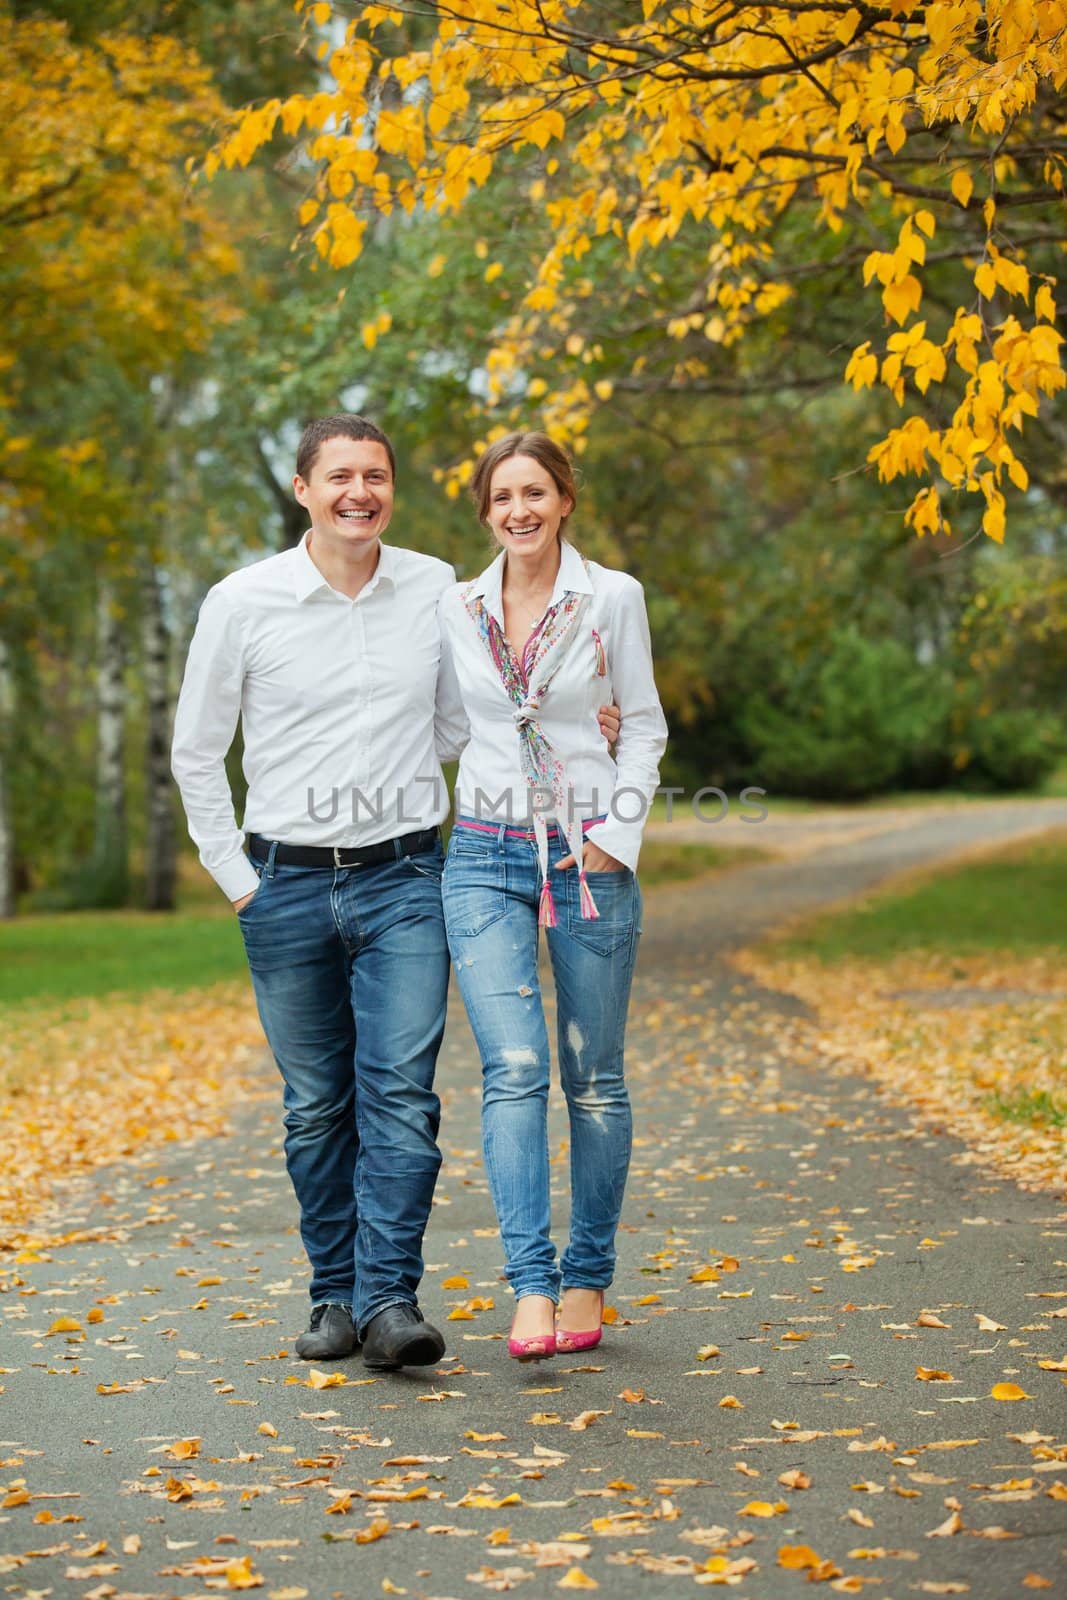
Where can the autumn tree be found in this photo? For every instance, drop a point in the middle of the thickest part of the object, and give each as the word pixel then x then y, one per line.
pixel 687 169
pixel 110 276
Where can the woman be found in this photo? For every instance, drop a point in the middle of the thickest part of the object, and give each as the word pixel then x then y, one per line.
pixel 547 833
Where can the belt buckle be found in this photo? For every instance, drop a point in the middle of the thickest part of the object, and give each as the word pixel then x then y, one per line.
pixel 338 863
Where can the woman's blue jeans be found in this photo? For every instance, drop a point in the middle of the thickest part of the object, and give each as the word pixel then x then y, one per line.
pixel 490 890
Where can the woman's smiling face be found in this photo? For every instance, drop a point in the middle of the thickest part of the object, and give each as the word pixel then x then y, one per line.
pixel 526 507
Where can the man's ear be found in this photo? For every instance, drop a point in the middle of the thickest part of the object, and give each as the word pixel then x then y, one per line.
pixel 300 489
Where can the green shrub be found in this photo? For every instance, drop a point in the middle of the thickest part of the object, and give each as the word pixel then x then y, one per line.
pixel 851 726
pixel 1013 749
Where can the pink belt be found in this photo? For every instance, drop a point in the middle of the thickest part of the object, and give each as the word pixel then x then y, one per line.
pixel 515 833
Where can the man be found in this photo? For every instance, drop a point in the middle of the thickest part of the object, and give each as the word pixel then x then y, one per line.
pixel 328 654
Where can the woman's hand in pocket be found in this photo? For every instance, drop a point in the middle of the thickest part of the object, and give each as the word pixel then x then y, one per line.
pixel 594 860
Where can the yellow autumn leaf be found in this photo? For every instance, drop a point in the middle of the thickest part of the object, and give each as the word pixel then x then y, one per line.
pixel 797 1557
pixel 1009 1391
pixel 240 1575
pixel 66 1325
pixel 933 1375
pixel 985 279
pixel 325 1380
pixel 962 186
pixel 184 1449
pixel 902 298
pixel 268 1429
pixel 575 1578
pixel 763 1508
pixel 375 1530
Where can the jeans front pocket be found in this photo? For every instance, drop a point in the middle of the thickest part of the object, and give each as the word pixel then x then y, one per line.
pixel 473 887
pixel 615 895
pixel 428 863
pixel 257 894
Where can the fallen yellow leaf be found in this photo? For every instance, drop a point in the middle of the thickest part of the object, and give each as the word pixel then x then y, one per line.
pixel 1009 1391
pixel 375 1530
pixel 797 1557
pixel 324 1380
pixel 952 1524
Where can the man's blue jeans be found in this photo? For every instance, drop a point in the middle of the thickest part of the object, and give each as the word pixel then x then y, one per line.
pixel 350 971
pixel 491 889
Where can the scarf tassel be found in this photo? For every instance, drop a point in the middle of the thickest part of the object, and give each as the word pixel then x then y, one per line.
pixel 585 898
pixel 546 910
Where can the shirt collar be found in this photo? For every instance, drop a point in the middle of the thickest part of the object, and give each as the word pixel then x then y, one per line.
pixel 308 580
pixel 572 576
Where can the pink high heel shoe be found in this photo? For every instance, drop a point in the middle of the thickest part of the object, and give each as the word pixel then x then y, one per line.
pixel 536 1347
pixel 532 1349
pixel 573 1343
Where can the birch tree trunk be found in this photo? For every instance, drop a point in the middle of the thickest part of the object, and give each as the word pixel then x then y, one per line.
pixel 160 836
pixel 110 849
pixel 7 830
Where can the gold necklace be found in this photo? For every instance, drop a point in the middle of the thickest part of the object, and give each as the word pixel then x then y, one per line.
pixel 528 615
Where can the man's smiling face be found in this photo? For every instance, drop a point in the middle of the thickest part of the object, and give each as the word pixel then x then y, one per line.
pixel 349 494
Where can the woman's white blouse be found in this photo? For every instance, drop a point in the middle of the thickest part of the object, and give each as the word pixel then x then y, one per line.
pixel 491 785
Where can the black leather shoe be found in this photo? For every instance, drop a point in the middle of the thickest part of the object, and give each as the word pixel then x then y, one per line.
pixel 331 1334
pixel 399 1337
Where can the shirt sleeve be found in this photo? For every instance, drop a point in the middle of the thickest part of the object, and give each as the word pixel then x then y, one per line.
pixel 451 727
pixel 643 735
pixel 205 722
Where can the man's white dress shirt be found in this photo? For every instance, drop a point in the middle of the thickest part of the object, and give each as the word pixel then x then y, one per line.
pixel 491 784
pixel 337 699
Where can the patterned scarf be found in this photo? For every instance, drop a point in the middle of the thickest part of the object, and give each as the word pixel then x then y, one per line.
pixel 544 773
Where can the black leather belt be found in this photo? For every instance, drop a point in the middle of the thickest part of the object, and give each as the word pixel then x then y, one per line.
pixel 368 855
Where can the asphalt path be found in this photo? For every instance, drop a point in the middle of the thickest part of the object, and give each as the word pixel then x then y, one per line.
pixel 756 1400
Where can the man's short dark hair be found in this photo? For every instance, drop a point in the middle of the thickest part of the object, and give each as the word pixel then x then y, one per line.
pixel 345 425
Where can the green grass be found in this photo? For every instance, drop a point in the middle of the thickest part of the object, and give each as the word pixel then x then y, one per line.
pixel 89 953
pixel 81 954
pixel 674 863
pixel 1028 1106
pixel 1013 901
